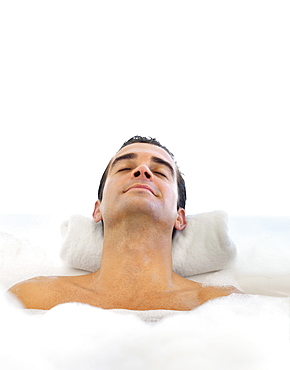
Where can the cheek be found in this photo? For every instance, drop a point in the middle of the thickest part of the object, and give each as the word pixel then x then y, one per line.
pixel 111 189
pixel 106 193
pixel 108 185
pixel 171 195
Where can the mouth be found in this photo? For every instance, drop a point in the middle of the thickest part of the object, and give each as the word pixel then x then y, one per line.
pixel 142 187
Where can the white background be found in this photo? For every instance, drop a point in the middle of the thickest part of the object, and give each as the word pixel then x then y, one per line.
pixel 209 79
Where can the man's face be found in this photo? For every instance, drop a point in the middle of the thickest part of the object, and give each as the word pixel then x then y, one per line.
pixel 141 181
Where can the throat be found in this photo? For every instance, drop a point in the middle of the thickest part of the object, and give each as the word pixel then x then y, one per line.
pixel 135 260
pixel 135 275
pixel 135 268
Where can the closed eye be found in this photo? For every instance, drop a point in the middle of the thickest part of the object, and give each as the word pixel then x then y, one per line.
pixel 160 173
pixel 124 169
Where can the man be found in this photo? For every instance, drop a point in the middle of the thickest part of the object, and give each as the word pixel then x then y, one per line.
pixel 141 202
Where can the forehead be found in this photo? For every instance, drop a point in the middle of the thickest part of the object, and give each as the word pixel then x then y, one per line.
pixel 146 151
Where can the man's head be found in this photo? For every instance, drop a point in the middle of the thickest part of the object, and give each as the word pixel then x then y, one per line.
pixel 142 179
pixel 140 139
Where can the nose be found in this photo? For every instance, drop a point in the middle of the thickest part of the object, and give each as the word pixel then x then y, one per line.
pixel 142 171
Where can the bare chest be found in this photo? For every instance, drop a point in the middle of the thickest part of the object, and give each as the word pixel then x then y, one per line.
pixel 182 300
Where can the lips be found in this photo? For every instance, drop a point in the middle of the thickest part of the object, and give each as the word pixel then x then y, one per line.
pixel 141 186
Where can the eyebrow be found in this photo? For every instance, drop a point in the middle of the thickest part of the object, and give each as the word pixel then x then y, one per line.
pixel 123 158
pixel 165 163
pixel 134 156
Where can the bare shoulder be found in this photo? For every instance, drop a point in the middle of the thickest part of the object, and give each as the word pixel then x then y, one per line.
pixel 39 292
pixel 33 283
pixel 206 291
pixel 210 292
pixel 192 294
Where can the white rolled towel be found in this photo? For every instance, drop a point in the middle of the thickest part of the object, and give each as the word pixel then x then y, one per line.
pixel 203 246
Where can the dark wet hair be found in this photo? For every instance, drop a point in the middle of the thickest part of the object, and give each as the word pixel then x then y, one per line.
pixel 148 140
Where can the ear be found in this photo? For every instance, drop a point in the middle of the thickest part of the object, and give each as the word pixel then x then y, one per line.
pixel 97 215
pixel 180 222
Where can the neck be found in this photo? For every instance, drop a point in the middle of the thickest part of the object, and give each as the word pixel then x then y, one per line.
pixel 136 256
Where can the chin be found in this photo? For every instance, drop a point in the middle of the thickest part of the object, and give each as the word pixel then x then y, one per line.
pixel 148 212
pixel 141 206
